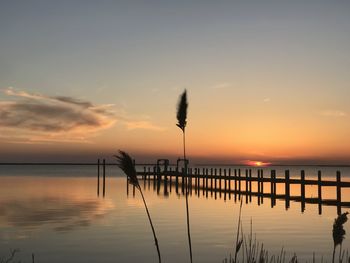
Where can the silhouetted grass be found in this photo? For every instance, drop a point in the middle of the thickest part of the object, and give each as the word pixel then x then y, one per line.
pixel 248 250
pixel 181 118
pixel 126 163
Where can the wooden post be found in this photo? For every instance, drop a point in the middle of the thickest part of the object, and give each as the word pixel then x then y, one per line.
pixel 203 180
pixel 302 190
pixel 198 182
pixel 225 179
pixel 239 181
pixel 319 184
pixel 246 181
pixel 104 177
pixel 183 180
pixel 235 179
pixel 338 193
pixel 177 180
pixel 229 180
pixel 250 181
pixel 195 180
pixel 258 182
pixel 262 185
pixel 206 183
pixel 98 177
pixel 273 187
pixel 215 182
pixel 220 179
pixel 211 180
pixel 165 180
pixel 287 188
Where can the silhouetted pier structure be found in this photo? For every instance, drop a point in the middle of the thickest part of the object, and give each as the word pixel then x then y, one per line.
pixel 230 182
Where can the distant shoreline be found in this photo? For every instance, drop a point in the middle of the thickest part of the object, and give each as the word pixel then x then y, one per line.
pixel 197 164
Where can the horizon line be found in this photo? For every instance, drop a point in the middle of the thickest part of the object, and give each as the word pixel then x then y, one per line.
pixel 196 164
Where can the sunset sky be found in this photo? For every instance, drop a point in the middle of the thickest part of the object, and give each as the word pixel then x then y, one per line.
pixel 266 80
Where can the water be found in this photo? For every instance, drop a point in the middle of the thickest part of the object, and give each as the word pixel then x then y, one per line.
pixel 55 213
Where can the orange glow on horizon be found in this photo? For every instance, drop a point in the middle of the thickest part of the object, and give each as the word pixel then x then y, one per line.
pixel 257 163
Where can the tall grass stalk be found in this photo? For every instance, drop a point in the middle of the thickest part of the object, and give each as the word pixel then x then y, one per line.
pixel 126 163
pixel 181 118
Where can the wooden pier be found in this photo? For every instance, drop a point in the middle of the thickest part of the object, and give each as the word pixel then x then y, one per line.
pixel 230 182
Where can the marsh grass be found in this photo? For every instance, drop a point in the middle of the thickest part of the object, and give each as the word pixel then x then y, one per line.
pixel 126 164
pixel 248 250
pixel 11 257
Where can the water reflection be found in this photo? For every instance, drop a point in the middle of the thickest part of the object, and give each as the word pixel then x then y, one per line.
pixel 273 188
pixel 33 205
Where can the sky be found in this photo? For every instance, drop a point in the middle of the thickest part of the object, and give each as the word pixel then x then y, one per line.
pixel 266 80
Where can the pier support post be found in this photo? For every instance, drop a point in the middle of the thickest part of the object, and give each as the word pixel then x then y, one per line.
pixel 302 190
pixel 104 177
pixel 319 187
pixel 338 193
pixel 287 188
pixel 98 177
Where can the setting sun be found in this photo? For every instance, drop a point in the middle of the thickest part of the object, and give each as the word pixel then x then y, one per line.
pixel 257 163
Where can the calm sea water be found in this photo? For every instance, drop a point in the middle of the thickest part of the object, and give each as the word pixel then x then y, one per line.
pixel 55 213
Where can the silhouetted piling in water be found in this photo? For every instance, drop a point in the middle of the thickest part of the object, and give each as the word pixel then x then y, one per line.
pixel 239 182
pixel 104 177
pixel 319 188
pixel 246 181
pixel 252 190
pixel 250 185
pixel 287 188
pixel 302 190
pixel 262 185
pixel 338 193
pixel 98 177
pixel 229 181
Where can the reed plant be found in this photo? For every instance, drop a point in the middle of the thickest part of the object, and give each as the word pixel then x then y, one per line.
pixel 126 164
pixel 182 121
pixel 339 234
pixel 248 250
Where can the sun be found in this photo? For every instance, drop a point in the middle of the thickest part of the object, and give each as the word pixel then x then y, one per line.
pixel 257 163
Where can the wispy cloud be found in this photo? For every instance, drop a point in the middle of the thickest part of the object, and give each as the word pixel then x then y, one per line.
pixel 146 125
pixel 266 100
pixel 333 113
pixel 222 85
pixel 34 118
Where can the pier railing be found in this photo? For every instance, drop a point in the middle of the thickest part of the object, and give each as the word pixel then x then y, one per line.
pixel 231 181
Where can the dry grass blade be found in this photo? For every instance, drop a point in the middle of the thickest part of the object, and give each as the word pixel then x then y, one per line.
pixel 126 163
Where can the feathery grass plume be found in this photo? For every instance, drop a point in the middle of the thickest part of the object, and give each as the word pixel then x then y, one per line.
pixel 339 232
pixel 126 163
pixel 182 111
pixel 181 118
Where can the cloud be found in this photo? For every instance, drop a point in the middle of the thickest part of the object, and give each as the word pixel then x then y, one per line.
pixel 222 85
pixel 333 113
pixel 266 100
pixel 132 125
pixel 39 117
